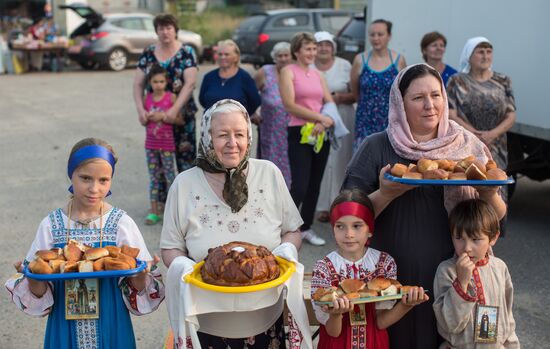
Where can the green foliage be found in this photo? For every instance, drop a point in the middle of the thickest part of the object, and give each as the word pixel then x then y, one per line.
pixel 214 24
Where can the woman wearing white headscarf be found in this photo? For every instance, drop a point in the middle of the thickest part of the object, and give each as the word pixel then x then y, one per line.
pixel 482 100
pixel 412 222
pixel 229 197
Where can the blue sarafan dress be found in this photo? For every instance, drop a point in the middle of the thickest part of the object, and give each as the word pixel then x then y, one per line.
pixel 374 94
pixel 117 298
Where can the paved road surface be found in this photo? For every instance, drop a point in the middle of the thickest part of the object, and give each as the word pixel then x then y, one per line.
pixel 44 114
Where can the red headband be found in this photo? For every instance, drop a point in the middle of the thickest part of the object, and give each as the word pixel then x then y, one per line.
pixel 351 208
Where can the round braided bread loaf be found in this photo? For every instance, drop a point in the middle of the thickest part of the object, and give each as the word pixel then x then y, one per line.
pixel 239 264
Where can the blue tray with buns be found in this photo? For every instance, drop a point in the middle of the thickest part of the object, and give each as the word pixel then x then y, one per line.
pixel 485 182
pixel 141 265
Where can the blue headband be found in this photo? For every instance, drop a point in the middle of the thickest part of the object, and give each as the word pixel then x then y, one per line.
pixel 89 152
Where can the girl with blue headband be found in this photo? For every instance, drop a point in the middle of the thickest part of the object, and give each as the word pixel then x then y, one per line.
pixel 90 220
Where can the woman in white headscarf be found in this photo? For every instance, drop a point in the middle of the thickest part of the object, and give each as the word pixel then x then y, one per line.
pixel 229 197
pixel 482 100
pixel 412 221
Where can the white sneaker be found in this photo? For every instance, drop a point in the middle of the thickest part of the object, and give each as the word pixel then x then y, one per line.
pixel 311 237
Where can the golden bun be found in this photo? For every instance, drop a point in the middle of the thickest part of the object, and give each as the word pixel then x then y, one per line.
pixel 412 175
pixel 99 264
pixel 114 251
pixel 424 165
pixel 466 162
pixel 352 285
pixel 378 284
pixel 72 252
pixel 457 176
pixel 497 174
pixel 127 259
pixel 46 255
pixel 447 165
pixel 352 295
pixel 85 266
pixel 436 174
pixel 324 294
pixel 130 251
pixel 490 165
pixel 115 264
pixel 398 170
pixel 55 264
pixel 39 266
pixel 69 267
pixel 474 173
pixel 95 253
pixel 459 169
pixel 480 165
pixel 57 250
pixel 412 168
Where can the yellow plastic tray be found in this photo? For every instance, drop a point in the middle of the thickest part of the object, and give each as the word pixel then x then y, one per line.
pixel 287 268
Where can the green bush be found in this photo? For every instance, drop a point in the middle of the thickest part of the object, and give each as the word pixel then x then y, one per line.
pixel 214 24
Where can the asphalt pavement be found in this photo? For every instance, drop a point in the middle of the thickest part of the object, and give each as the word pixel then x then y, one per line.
pixel 44 114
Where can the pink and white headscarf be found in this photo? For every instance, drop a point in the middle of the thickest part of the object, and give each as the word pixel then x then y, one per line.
pixel 453 142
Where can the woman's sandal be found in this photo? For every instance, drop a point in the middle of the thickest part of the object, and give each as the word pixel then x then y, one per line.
pixel 152 219
pixel 323 217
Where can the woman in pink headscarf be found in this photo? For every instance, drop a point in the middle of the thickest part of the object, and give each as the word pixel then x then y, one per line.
pixel 412 222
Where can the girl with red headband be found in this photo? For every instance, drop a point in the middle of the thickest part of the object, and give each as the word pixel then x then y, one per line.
pixel 345 325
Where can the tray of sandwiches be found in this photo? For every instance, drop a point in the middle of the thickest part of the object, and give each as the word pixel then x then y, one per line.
pixel 79 261
pixel 240 267
pixel 358 291
pixel 468 171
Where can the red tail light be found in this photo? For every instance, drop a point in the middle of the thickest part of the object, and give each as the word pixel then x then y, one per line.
pixel 98 35
pixel 263 37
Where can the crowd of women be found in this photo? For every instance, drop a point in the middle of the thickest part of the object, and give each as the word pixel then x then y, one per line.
pixel 312 140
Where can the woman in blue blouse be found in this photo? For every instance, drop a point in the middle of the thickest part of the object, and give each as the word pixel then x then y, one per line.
pixel 433 46
pixel 229 81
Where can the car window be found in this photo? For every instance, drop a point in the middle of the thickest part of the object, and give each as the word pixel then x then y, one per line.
pixel 298 20
pixel 252 24
pixel 129 23
pixel 355 29
pixel 148 24
pixel 333 23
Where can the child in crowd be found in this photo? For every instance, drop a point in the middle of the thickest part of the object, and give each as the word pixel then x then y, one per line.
pixel 92 312
pixel 345 325
pixel 160 147
pixel 473 290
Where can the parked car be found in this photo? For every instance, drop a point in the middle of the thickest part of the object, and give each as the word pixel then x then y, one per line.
pixel 113 40
pixel 258 33
pixel 350 40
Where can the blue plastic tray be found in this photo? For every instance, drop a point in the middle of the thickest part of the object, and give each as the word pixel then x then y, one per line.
pixel 486 182
pixel 91 275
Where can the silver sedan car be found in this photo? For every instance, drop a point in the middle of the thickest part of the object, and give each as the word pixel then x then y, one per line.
pixel 113 40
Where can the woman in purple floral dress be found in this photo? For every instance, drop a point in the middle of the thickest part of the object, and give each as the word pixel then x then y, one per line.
pixel 273 121
pixel 371 79
pixel 180 62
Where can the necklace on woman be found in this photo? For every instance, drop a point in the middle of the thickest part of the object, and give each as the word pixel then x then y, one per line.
pixel 89 220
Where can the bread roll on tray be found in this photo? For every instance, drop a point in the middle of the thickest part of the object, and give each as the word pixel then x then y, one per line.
pixel 95 253
pixel 398 170
pixel 130 251
pixel 412 175
pixel 474 173
pixel 497 174
pixel 39 266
